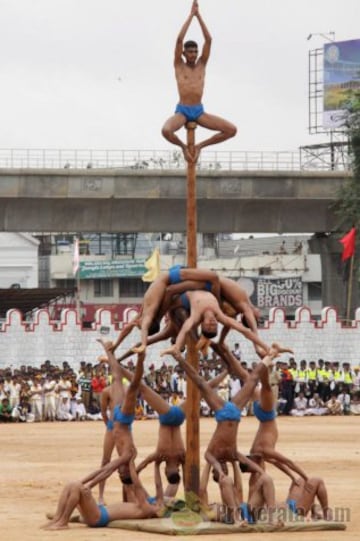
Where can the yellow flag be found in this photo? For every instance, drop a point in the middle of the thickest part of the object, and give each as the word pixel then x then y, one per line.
pixel 153 266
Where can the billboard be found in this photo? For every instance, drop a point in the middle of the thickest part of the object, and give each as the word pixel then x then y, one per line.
pixel 112 269
pixel 341 80
pixel 268 292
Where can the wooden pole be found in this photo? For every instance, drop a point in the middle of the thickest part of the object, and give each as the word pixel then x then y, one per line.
pixel 192 460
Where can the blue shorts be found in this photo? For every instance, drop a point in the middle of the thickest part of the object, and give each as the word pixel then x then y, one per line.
pixel 104 518
pixel 190 112
pixel 246 513
pixel 262 415
pixel 229 412
pixel 109 425
pixel 151 499
pixel 292 505
pixel 185 303
pixel 174 274
pixel 174 417
pixel 119 417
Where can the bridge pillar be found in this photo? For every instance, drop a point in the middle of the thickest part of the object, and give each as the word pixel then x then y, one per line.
pixel 334 288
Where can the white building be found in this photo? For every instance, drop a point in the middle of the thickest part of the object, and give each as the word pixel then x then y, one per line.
pixel 18 260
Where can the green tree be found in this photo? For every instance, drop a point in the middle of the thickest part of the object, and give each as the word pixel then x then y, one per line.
pixel 348 202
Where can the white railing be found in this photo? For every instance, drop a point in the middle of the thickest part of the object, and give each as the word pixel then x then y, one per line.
pixel 155 159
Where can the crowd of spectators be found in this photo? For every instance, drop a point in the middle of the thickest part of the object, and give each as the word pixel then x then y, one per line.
pixel 53 393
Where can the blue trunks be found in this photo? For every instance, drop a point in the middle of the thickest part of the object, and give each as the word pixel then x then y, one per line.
pixel 151 499
pixel 190 112
pixel 292 505
pixel 174 417
pixel 174 274
pixel 229 412
pixel 119 417
pixel 262 415
pixel 246 513
pixel 109 425
pixel 104 518
pixel 185 303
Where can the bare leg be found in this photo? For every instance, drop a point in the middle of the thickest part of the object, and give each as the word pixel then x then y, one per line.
pixel 209 394
pixel 263 495
pixel 233 365
pixel 304 493
pixel 154 399
pixel 173 124
pixel 129 403
pixel 229 500
pixel 75 494
pixel 108 447
pixel 225 130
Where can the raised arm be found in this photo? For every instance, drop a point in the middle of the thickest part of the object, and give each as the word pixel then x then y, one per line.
pixel 207 36
pixel 182 33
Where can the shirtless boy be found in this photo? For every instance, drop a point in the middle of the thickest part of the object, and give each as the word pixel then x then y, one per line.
pixel 170 447
pixel 155 304
pixel 78 495
pixel 204 308
pixel 190 78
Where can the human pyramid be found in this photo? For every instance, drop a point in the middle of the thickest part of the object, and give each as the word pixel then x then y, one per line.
pixel 189 298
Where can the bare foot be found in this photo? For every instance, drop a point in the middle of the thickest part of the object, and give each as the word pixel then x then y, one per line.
pixel 139 349
pixel 276 349
pixel 187 155
pixel 55 526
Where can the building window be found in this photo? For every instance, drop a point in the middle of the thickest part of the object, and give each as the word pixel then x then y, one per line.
pixel 103 288
pixel 314 291
pixel 132 287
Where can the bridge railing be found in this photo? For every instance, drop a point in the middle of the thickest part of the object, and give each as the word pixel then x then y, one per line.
pixel 157 159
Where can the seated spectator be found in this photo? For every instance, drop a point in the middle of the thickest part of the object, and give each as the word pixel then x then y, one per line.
pixel 5 411
pixel 94 411
pixel 22 412
pixel 355 404
pixel 63 410
pixel 78 410
pixel 300 406
pixel 345 399
pixel 334 405
pixel 316 406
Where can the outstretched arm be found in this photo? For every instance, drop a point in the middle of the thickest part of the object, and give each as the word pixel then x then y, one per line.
pixel 180 340
pixel 250 335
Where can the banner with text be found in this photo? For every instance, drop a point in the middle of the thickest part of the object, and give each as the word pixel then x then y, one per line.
pixel 278 292
pixel 112 269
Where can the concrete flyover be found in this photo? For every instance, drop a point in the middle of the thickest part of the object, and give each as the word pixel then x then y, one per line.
pixel 125 200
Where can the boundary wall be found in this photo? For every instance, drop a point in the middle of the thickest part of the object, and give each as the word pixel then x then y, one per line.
pixel 32 342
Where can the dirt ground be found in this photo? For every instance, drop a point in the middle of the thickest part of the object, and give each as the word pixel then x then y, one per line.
pixel 38 459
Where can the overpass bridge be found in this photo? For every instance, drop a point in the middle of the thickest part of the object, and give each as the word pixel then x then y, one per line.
pixel 152 200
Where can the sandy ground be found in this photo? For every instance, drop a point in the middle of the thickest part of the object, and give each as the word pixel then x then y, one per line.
pixel 38 459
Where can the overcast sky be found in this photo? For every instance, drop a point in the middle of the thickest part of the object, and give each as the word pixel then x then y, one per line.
pixel 99 73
